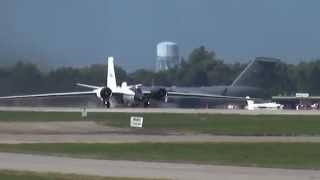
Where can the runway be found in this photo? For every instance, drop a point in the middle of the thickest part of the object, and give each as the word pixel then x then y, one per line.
pixel 90 132
pixel 164 110
pixel 138 169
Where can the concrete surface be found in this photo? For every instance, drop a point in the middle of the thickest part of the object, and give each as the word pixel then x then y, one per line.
pixel 132 138
pixel 39 163
pixel 165 110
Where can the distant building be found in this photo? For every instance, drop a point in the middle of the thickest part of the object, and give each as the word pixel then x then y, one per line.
pixel 167 55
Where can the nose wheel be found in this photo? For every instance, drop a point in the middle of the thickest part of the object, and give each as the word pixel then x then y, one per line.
pixel 107 104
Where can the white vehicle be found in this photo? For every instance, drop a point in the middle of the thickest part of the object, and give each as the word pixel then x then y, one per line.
pixel 127 95
pixel 254 106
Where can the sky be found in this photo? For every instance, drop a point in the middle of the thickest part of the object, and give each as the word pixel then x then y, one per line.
pixel 84 32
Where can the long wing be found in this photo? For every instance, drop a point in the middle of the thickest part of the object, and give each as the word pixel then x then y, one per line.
pixel 50 95
pixel 199 95
pixel 88 86
pixel 202 95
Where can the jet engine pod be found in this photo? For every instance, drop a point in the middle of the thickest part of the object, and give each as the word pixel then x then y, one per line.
pixel 139 96
pixel 159 94
pixel 105 93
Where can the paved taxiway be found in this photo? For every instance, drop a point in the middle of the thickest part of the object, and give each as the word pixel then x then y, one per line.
pixel 165 110
pixel 40 163
pixel 91 132
pixel 131 138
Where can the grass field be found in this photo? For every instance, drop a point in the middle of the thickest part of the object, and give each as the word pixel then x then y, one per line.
pixel 198 123
pixel 25 175
pixel 279 155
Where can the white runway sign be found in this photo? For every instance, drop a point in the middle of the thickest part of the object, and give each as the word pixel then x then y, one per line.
pixel 84 113
pixel 136 122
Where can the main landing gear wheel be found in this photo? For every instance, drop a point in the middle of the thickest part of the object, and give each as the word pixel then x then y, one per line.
pixel 146 104
pixel 108 104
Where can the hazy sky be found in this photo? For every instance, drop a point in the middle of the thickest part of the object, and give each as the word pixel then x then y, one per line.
pixel 81 32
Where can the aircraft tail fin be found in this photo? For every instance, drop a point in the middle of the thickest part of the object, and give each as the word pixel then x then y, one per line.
pixel 257 72
pixel 111 77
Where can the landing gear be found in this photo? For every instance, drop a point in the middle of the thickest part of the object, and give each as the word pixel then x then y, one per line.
pixel 146 103
pixel 108 104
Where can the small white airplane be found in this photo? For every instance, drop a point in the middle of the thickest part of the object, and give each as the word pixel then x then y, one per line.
pixel 128 95
pixel 251 105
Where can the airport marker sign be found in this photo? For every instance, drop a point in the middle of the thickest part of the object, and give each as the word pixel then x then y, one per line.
pixel 136 122
pixel 84 113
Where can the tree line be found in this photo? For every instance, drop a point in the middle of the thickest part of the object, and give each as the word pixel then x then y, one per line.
pixel 201 68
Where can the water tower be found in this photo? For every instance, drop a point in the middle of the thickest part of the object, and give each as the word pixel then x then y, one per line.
pixel 167 55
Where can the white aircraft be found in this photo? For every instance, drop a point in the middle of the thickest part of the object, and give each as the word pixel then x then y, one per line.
pixel 129 95
pixel 103 93
pixel 254 106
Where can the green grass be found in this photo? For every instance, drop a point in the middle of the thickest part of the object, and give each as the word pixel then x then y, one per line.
pixel 26 175
pixel 230 124
pixel 8 116
pixel 279 155
pixel 221 124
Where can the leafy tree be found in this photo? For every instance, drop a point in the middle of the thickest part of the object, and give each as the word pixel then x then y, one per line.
pixel 142 76
pixel 201 68
pixel 24 78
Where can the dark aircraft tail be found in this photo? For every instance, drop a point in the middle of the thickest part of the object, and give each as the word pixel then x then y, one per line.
pixel 259 73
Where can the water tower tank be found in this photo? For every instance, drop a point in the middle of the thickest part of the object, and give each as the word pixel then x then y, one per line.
pixel 167 55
